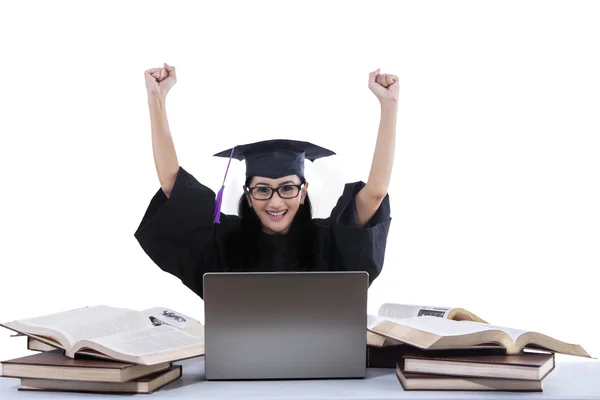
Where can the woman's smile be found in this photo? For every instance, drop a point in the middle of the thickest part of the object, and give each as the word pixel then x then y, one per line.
pixel 276 215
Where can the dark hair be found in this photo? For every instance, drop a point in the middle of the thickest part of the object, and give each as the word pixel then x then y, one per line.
pixel 245 245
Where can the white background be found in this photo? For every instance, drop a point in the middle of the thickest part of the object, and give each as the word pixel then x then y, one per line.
pixel 495 190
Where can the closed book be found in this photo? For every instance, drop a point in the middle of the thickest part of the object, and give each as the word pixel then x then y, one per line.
pixel 36 345
pixel 389 356
pixel 145 385
pixel 54 365
pixel 414 381
pixel 525 366
pixel 384 357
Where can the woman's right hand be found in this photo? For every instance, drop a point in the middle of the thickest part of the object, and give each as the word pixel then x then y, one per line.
pixel 160 80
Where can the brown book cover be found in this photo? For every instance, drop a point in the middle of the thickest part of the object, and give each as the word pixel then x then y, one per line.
pixel 145 385
pixel 525 366
pixel 384 357
pixel 414 381
pixel 389 356
pixel 55 365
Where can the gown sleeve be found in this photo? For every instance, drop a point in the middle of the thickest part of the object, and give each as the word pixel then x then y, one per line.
pixel 352 248
pixel 178 232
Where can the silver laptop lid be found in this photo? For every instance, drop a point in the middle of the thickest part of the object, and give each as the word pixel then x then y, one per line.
pixel 285 325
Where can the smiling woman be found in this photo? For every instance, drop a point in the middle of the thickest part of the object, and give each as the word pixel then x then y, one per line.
pixel 185 233
pixel 276 213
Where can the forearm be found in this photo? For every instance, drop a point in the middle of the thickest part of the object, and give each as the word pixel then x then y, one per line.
pixel 165 156
pixel 383 157
pixel 369 198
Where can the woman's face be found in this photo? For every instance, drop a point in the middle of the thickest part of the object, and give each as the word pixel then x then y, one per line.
pixel 275 210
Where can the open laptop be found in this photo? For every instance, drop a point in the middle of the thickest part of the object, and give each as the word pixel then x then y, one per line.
pixel 285 325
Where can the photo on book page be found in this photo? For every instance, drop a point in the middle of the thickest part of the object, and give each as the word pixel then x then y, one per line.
pixel 410 311
pixel 164 316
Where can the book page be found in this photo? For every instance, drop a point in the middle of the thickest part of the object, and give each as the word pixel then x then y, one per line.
pixel 442 326
pixel 409 311
pixel 154 340
pixel 91 322
pixel 195 329
pixel 513 333
pixel 162 315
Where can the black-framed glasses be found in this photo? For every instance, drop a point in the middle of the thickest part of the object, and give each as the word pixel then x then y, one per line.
pixel 265 192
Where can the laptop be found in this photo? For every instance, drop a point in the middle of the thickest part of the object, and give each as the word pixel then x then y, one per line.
pixel 285 325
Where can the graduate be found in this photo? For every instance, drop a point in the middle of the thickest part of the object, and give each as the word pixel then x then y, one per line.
pixel 185 233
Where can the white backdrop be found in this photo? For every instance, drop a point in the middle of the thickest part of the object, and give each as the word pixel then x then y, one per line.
pixel 495 188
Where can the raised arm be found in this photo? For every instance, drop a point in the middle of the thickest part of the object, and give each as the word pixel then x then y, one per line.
pixel 158 83
pixel 369 198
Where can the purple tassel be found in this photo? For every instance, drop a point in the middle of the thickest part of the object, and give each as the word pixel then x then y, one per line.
pixel 219 200
pixel 217 219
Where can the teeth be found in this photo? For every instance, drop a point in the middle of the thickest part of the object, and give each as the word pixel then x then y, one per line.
pixel 278 214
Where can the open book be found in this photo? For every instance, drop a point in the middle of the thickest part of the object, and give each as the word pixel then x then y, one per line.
pixel 410 311
pixel 150 337
pixel 430 333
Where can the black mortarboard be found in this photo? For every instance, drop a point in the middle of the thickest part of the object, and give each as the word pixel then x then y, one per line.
pixel 276 158
pixel 272 159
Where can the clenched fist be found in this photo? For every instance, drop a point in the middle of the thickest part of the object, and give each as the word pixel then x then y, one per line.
pixel 160 80
pixel 384 86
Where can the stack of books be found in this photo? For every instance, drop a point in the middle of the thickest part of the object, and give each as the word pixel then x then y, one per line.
pixel 432 351
pixel 104 349
pixel 455 370
pixel 53 371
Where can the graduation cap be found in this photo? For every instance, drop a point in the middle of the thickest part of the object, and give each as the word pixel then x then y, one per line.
pixel 272 159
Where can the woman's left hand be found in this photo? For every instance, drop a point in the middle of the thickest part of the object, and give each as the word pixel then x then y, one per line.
pixel 384 86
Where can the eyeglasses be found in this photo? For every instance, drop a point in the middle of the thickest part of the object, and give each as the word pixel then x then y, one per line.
pixel 265 192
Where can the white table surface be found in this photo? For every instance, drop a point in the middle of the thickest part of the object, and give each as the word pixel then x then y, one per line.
pixel 570 380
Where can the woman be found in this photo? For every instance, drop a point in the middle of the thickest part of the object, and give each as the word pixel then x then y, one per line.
pixel 184 232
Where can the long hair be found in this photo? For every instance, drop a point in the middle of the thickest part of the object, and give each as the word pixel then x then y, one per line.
pixel 245 246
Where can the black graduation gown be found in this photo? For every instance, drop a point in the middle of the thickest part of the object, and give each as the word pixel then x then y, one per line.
pixel 179 235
